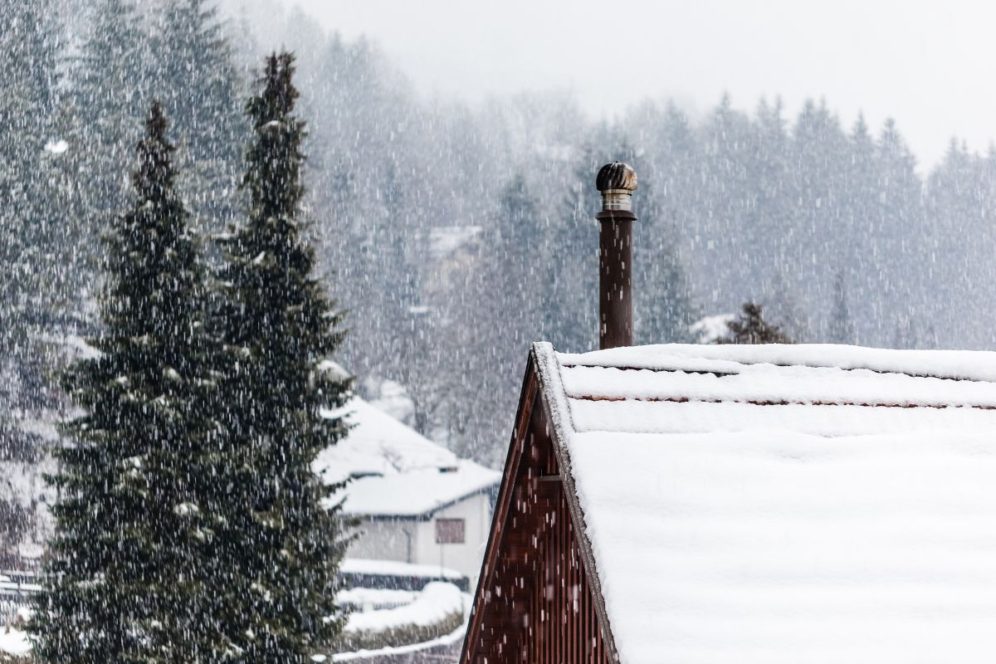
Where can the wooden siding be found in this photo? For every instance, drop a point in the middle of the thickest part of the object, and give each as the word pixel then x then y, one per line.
pixel 534 604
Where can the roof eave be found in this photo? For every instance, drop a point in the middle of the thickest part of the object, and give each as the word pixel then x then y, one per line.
pixel 421 516
pixel 554 401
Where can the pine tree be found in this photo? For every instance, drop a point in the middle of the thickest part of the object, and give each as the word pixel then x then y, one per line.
pixel 664 309
pixel 897 227
pixel 193 74
pixel 37 237
pixel 841 327
pixel 750 328
pixel 108 100
pixel 667 310
pixel 508 312
pixel 123 583
pixel 278 558
pixel 570 286
pixel 28 218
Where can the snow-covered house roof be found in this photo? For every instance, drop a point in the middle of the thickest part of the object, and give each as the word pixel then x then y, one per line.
pixel 396 472
pixel 418 493
pixel 378 444
pixel 761 503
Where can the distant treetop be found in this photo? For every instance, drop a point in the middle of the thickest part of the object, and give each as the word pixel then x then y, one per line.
pixel 749 327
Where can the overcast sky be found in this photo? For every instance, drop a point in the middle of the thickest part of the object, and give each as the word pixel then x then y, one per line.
pixel 931 65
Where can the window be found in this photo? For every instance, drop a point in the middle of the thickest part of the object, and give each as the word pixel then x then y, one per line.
pixel 449 531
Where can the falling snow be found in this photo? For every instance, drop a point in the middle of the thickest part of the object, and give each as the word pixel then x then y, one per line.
pixel 236 310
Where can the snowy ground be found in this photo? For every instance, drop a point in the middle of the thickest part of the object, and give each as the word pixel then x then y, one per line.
pixel 14 642
pixel 376 610
pixel 443 650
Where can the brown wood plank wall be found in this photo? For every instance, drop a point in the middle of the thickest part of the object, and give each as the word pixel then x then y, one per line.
pixel 538 607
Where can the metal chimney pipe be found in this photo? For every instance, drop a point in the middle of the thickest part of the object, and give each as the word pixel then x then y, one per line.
pixel 616 182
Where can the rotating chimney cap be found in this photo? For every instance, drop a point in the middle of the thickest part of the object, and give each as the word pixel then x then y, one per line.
pixel 617 182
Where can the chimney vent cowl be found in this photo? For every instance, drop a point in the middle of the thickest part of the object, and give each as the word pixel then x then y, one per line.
pixel 617 182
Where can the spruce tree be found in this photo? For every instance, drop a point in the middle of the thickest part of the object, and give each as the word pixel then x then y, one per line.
pixel 37 245
pixel 122 580
pixel 841 326
pixel 570 243
pixel 193 74
pixel 31 239
pixel 108 99
pixel 668 306
pixel 280 553
pixel 109 93
pixel 749 327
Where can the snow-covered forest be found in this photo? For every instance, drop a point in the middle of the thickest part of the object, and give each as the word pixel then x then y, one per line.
pixel 451 235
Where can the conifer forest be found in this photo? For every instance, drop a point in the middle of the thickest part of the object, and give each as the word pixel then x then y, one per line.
pixel 216 230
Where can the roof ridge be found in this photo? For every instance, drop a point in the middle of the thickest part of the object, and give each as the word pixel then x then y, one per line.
pixel 780 402
pixel 721 373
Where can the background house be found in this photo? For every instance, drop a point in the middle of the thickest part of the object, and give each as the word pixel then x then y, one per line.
pixel 417 502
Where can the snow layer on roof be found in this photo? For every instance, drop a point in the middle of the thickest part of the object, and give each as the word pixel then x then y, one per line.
pixel 961 364
pixel 378 444
pixel 396 471
pixel 786 504
pixel 419 492
pixel 444 240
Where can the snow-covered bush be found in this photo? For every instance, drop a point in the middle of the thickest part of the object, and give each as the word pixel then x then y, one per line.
pixel 436 611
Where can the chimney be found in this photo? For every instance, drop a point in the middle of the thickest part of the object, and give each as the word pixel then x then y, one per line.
pixel 617 182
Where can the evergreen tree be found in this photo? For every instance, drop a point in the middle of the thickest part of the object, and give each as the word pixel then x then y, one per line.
pixel 666 310
pixel 570 286
pixel 28 201
pixel 508 313
pixel 108 100
pixel 749 327
pixel 279 553
pixel 961 230
pixel 123 583
pixel 515 243
pixel 775 202
pixel 37 242
pixel 897 228
pixel 783 304
pixel 841 327
pixel 193 74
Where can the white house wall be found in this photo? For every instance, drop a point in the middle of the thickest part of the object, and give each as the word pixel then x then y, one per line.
pixel 411 541
pixel 386 540
pixel 464 558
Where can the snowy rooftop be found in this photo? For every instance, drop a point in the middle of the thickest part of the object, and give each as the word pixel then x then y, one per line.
pixel 786 504
pixel 417 493
pixel 378 444
pixel 397 471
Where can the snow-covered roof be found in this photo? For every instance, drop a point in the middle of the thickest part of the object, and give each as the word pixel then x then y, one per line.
pixel 711 329
pixel 397 472
pixel 378 444
pixel 417 493
pixel 444 240
pixel 785 504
